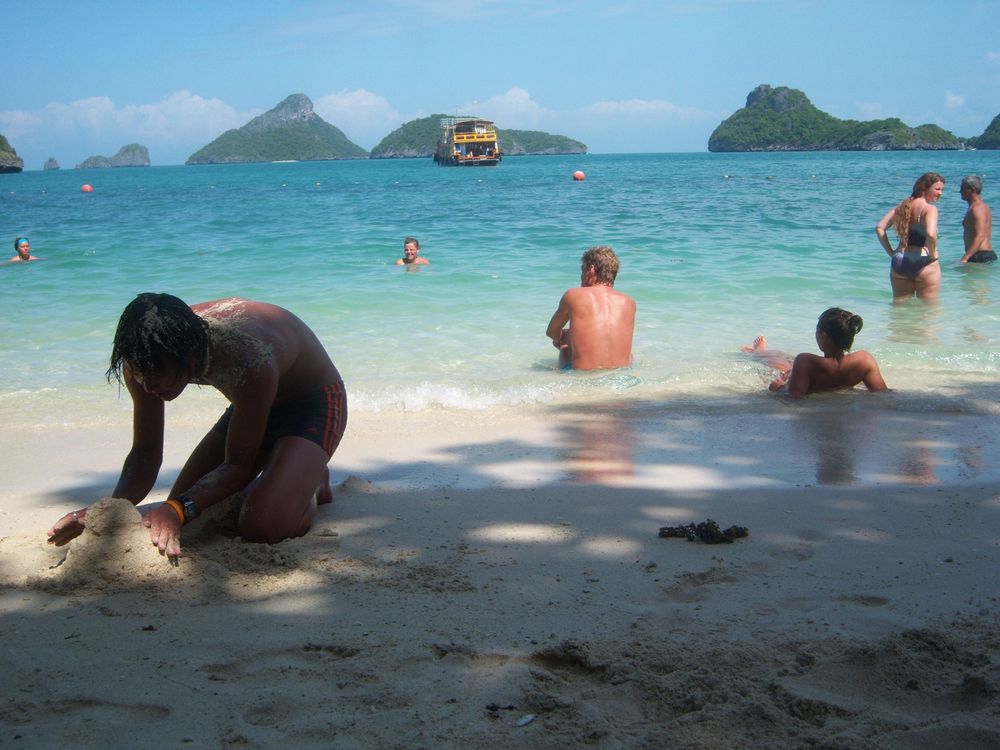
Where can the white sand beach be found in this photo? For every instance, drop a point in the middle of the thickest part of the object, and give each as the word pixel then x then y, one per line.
pixel 497 580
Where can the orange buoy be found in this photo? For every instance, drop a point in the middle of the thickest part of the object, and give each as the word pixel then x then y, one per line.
pixel 579 176
pixel 87 189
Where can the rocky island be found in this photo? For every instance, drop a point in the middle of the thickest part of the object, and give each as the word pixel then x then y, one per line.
pixel 289 132
pixel 418 138
pixel 783 119
pixel 132 155
pixel 50 164
pixel 990 139
pixel 9 160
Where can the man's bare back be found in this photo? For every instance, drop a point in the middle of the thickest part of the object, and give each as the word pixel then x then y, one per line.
pixel 601 319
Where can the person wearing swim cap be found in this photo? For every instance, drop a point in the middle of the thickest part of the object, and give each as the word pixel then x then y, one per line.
pixel 411 254
pixel 978 223
pixel 23 248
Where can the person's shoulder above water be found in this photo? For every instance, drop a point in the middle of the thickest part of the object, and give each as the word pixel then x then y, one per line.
pixel 601 319
pixel 23 249
pixel 411 254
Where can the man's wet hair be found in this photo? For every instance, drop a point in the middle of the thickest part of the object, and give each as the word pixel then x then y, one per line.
pixel 605 263
pixel 157 332
pixel 414 240
pixel 841 326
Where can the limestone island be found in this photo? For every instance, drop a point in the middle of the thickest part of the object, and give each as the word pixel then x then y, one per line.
pixel 783 119
pixel 9 160
pixel 990 139
pixel 289 132
pixel 419 139
pixel 132 155
pixel 50 164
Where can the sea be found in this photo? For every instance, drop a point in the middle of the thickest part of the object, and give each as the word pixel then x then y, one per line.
pixel 715 248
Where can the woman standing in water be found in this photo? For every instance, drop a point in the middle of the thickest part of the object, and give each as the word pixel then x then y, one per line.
pixel 917 277
pixel 809 373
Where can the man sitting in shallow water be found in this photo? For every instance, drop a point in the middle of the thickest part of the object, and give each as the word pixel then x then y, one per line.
pixel 601 319
pixel 287 414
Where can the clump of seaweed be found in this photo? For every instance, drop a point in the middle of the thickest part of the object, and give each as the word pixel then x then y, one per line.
pixel 707 531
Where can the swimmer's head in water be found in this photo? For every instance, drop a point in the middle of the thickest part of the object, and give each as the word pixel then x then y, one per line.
pixel 159 333
pixel 916 236
pixel 605 264
pixel 20 242
pixel 840 326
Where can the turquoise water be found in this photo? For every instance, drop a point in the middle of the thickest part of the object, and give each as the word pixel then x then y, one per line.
pixel 715 248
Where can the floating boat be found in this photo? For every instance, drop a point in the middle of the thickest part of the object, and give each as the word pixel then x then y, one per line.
pixel 467 142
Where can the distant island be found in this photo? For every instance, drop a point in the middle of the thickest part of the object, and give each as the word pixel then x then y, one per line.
pixel 50 164
pixel 990 139
pixel 783 119
pixel 289 132
pixel 9 160
pixel 132 155
pixel 418 138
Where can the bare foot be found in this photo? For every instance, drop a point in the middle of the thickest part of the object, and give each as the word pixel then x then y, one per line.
pixel 759 345
pixel 324 493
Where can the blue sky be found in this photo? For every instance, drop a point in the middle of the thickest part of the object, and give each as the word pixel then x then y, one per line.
pixel 631 76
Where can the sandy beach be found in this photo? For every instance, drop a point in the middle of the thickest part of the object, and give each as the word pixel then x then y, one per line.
pixel 496 580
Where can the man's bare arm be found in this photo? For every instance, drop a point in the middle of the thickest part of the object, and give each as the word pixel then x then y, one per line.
pixel 559 320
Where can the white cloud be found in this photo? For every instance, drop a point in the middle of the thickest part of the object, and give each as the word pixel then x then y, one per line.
pixel 513 109
pixel 655 108
pixel 364 117
pixel 953 101
pixel 172 128
pixel 871 110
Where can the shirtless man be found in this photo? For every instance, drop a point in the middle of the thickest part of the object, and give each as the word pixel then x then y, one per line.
pixel 286 416
pixel 809 373
pixel 23 248
pixel 411 253
pixel 978 223
pixel 601 319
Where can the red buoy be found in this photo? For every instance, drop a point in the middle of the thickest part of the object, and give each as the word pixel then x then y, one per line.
pixel 579 176
pixel 87 189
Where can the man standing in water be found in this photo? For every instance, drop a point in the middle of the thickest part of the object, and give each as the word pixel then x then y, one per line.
pixel 286 416
pixel 978 223
pixel 601 319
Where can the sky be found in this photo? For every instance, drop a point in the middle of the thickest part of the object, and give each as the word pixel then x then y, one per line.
pixel 85 78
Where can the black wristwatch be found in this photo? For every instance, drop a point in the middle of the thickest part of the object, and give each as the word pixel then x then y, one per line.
pixel 190 509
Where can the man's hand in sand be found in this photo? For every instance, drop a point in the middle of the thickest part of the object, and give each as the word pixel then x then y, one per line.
pixel 164 530
pixel 68 528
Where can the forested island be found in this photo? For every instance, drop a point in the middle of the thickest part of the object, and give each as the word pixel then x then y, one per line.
pixel 783 119
pixel 132 155
pixel 289 132
pixel 990 139
pixel 418 138
pixel 9 160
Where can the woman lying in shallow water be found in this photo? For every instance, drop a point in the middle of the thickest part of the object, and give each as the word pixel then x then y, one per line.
pixel 809 373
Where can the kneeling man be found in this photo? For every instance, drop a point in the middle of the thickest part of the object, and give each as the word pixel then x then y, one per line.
pixel 286 416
